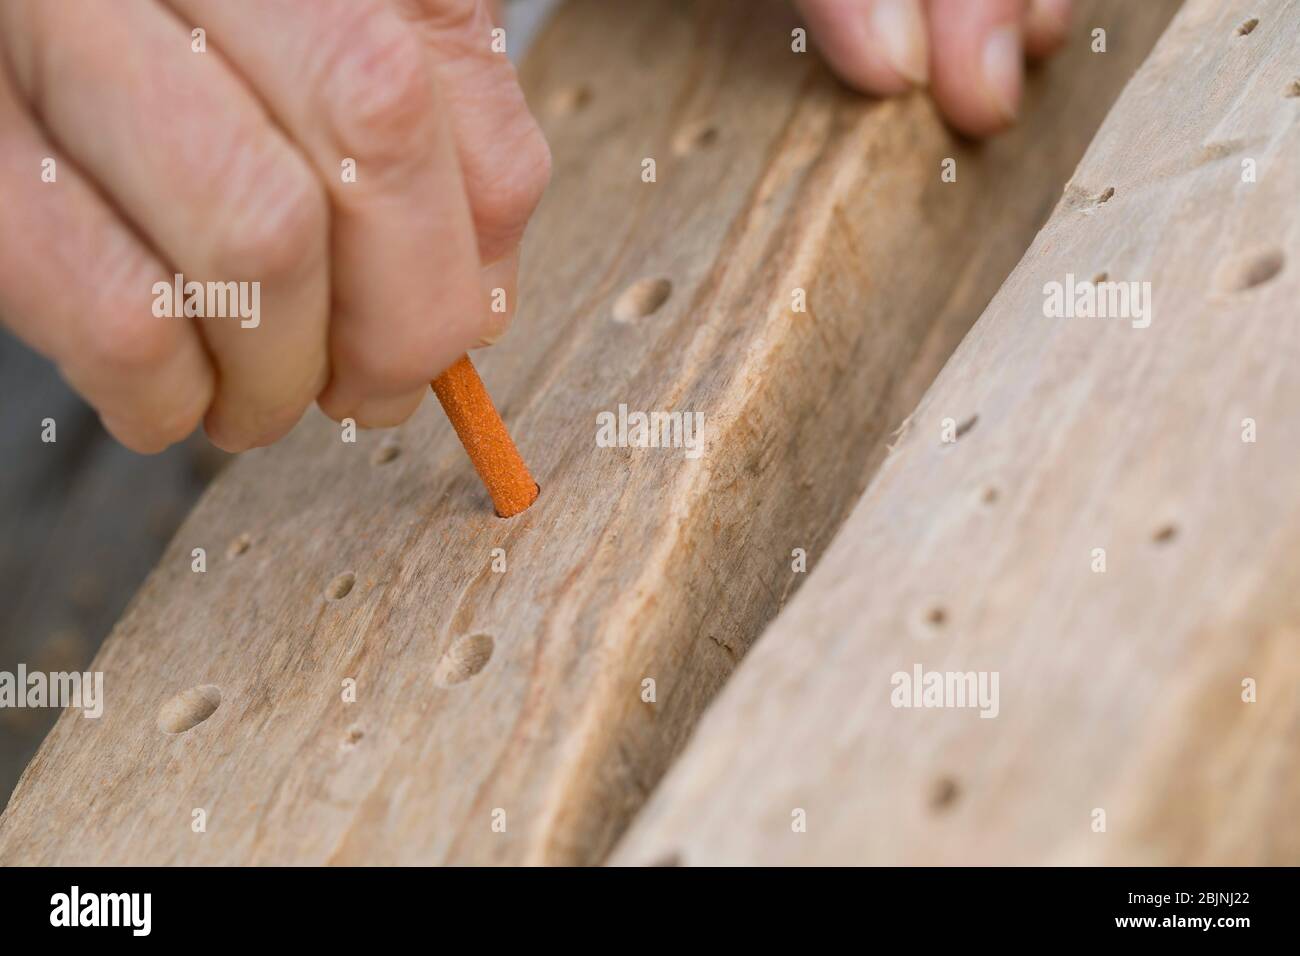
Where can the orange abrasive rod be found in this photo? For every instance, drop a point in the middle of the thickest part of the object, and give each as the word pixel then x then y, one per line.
pixel 484 436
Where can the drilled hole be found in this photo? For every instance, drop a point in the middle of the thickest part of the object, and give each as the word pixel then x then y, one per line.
pixel 937 616
pixel 1100 277
pixel 1106 195
pixel 239 545
pixel 1165 533
pixel 642 298
pixel 386 452
pixel 943 794
pixel 340 587
pixel 189 708
pixel 1248 27
pixel 1293 89
pixel 966 426
pixel 353 736
pixel 1221 149
pixel 1250 269
pixel 695 137
pixel 465 658
pixel 990 495
pixel 669 859
pixel 574 99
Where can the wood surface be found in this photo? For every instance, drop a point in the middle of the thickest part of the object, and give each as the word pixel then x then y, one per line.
pixel 1120 690
pixel 83 523
pixel 516 698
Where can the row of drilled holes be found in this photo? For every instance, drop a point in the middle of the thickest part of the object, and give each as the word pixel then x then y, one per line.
pixel 463 660
pixel 1246 28
pixel 466 657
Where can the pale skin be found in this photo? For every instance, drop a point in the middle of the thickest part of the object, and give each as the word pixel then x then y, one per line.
pixel 226 166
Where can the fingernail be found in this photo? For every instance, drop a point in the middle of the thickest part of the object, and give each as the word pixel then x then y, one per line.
pixel 500 282
pixel 901 28
pixel 1004 69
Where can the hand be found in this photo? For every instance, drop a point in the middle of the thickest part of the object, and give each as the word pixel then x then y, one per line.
pixel 228 166
pixel 969 52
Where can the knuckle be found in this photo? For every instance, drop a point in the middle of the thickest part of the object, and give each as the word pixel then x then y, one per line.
pixel 454 16
pixel 127 352
pixel 136 436
pixel 124 336
pixel 388 369
pixel 509 191
pixel 386 364
pixel 127 346
pixel 277 227
pixel 274 408
pixel 179 420
pixel 236 425
pixel 379 90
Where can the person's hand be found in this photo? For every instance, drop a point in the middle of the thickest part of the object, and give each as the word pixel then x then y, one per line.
pixel 969 52
pixel 230 166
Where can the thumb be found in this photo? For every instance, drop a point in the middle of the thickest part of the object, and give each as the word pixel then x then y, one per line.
pixel 504 157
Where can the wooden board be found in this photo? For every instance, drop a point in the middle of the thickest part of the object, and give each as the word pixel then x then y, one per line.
pixel 487 699
pixel 84 522
pixel 1120 690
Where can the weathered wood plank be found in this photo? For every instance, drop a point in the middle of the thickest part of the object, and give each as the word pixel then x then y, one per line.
pixel 1120 691
pixel 83 521
pixel 521 691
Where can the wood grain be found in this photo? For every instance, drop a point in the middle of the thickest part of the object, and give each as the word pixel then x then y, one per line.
pixel 1120 690
pixel 84 521
pixel 517 697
